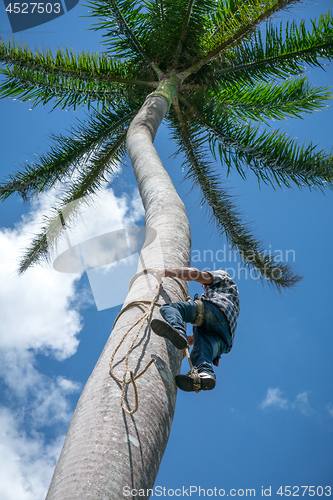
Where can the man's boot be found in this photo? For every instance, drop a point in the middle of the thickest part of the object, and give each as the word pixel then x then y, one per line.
pixel 164 329
pixel 191 383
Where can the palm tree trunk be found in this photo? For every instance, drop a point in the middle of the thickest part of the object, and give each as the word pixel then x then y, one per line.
pixel 107 450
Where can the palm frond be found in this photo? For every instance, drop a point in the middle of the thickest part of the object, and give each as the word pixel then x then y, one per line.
pixel 125 29
pixel 234 19
pixel 189 27
pixel 103 161
pixel 228 27
pixel 184 30
pixel 80 191
pixel 69 80
pixel 67 154
pixel 61 92
pixel 280 53
pixel 166 30
pixel 274 157
pixel 264 101
pixel 223 210
pixel 84 67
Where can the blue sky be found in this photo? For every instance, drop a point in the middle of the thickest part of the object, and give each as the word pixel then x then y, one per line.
pixel 269 422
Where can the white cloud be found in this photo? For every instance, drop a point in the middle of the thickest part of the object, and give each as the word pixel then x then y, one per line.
pixel 36 309
pixel 97 241
pixel 26 463
pixel 50 403
pixel 104 214
pixel 274 399
pixel 302 404
pixel 329 408
pixel 40 314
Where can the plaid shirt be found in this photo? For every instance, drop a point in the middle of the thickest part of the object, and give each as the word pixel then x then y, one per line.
pixel 223 292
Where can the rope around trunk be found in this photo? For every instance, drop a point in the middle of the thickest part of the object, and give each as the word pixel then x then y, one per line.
pixel 149 305
pixel 193 372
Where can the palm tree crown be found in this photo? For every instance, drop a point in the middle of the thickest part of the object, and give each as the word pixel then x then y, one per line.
pixel 224 74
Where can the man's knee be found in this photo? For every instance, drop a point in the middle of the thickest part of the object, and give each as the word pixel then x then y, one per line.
pixel 165 307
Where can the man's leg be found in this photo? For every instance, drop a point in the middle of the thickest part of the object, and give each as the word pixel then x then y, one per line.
pixel 211 340
pixel 175 314
pixel 178 313
pixel 215 323
pixel 205 349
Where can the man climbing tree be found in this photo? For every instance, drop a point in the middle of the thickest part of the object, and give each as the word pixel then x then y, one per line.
pixel 214 319
pixel 217 72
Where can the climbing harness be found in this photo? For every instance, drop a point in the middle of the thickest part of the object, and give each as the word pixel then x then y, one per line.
pixel 200 312
pixel 149 306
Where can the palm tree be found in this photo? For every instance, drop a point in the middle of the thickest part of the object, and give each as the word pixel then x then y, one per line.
pixel 218 71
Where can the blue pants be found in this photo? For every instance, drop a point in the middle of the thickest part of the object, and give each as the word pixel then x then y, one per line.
pixel 211 339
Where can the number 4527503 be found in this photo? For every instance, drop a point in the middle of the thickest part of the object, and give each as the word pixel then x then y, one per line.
pixel 301 491
pixel 31 8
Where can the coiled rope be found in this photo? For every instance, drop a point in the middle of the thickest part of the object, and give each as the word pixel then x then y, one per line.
pixel 149 306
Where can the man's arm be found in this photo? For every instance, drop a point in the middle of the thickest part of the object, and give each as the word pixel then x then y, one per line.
pixel 187 274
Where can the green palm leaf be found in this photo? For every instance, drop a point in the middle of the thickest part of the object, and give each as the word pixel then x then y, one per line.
pixel 274 157
pixel 68 79
pixel 266 101
pixel 229 25
pixel 223 211
pixel 83 66
pixel 281 54
pixel 223 68
pixel 94 174
pixel 194 27
pixel 63 93
pixel 125 31
pixel 173 29
pixel 68 154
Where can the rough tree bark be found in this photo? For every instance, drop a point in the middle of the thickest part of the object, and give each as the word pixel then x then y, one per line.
pixel 105 448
